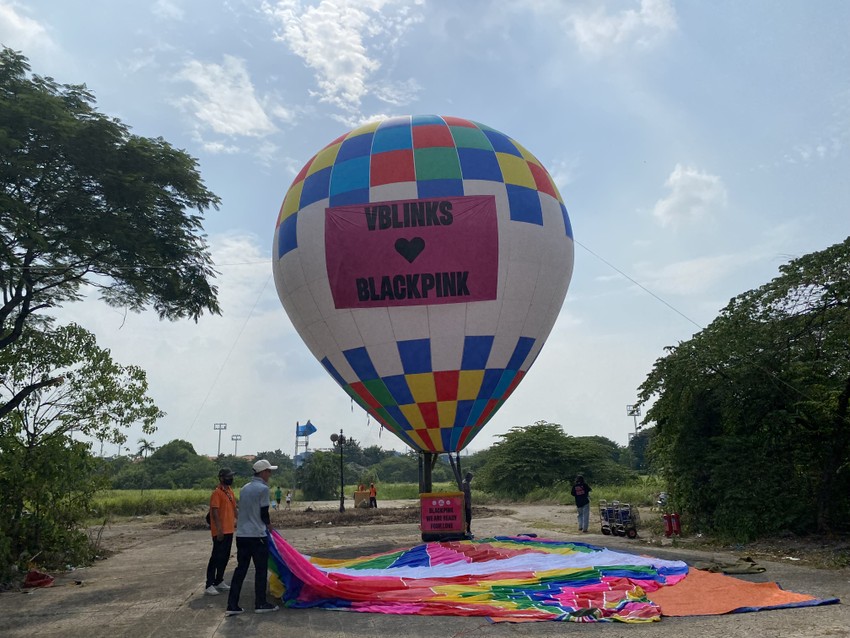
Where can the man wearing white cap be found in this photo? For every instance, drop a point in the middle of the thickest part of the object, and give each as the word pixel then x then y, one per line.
pixel 252 541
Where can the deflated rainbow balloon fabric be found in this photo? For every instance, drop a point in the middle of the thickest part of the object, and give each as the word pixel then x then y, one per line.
pixel 424 261
pixel 503 578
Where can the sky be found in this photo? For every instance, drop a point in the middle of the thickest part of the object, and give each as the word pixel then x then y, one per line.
pixel 697 146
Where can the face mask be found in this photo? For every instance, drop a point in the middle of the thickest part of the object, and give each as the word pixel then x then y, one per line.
pixel 228 481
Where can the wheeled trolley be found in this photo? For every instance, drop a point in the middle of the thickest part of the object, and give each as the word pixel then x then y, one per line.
pixel 627 520
pixel 607 515
pixel 619 519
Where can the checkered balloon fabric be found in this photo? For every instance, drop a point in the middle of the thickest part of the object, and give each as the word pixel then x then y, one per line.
pixel 424 260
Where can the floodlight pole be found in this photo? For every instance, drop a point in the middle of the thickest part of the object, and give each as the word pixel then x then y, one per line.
pixel 219 427
pixel 634 412
pixel 235 438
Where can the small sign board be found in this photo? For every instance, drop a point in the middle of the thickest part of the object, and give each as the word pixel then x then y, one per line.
pixel 441 514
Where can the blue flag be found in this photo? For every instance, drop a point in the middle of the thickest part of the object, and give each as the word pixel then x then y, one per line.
pixel 305 430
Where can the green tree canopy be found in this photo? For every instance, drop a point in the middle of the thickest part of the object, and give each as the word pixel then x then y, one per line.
pixel 375 454
pixel 85 202
pixel 319 476
pixel 87 391
pixel 639 446
pixel 543 455
pixel 751 413
pixel 47 478
pixel 398 469
pixel 171 466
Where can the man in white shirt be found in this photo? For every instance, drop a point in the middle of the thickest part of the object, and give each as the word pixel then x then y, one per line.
pixel 252 541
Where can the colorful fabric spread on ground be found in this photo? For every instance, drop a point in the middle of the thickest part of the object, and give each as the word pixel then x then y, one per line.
pixel 503 578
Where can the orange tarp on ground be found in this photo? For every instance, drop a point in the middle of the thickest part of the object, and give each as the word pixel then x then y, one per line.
pixel 704 593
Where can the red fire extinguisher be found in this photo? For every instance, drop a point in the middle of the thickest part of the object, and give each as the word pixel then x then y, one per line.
pixel 676 524
pixel 668 524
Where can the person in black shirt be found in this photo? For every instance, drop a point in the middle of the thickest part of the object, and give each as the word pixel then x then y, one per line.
pixel 467 501
pixel 581 492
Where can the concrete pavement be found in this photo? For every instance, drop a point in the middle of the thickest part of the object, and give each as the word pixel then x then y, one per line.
pixel 154 587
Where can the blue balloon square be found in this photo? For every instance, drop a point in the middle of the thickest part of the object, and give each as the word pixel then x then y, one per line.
pixel 287 238
pixel 524 204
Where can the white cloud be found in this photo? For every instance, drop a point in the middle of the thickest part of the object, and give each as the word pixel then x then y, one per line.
pixel 168 10
pixel 225 99
pixel 339 39
pixel 600 32
pixel 691 276
pixel 355 120
pixel 218 148
pixel 563 172
pixel 816 151
pixel 693 196
pixel 398 93
pixel 21 32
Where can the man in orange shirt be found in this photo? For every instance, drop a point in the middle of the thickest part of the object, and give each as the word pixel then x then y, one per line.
pixel 373 495
pixel 222 518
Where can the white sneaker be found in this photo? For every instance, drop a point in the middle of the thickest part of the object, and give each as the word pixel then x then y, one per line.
pixel 266 608
pixel 211 591
pixel 222 586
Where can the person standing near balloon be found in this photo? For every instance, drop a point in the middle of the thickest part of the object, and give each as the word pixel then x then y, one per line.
pixel 222 518
pixel 466 488
pixel 252 541
pixel 373 495
pixel 581 493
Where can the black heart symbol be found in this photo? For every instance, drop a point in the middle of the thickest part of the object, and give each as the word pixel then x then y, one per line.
pixel 410 249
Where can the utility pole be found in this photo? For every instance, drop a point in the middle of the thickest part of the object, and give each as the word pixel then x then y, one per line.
pixel 235 438
pixel 219 427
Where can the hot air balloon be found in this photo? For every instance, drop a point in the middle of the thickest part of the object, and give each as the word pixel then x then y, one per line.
pixel 424 260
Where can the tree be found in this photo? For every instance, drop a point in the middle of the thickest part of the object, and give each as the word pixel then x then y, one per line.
pixel 526 458
pixel 145 447
pixel 319 476
pixel 89 392
pixel 85 202
pixel 543 455
pixel 751 413
pixel 239 465
pixel 398 469
pixel 48 478
pixel 177 465
pixel 639 446
pixel 374 454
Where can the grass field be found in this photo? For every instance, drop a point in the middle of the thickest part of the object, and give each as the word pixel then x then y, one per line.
pixel 121 503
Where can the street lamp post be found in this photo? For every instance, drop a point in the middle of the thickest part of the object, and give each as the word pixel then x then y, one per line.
pixel 634 412
pixel 339 439
pixel 235 438
pixel 219 427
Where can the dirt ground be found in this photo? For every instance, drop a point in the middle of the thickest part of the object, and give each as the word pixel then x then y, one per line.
pixel 151 584
pixel 816 551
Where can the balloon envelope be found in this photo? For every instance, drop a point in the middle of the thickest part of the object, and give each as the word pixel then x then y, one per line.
pixel 424 260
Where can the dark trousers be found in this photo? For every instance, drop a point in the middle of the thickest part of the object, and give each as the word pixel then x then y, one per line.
pixel 373 502
pixel 467 514
pixel 250 549
pixel 218 559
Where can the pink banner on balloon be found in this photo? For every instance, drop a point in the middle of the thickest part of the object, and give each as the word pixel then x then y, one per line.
pixel 413 252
